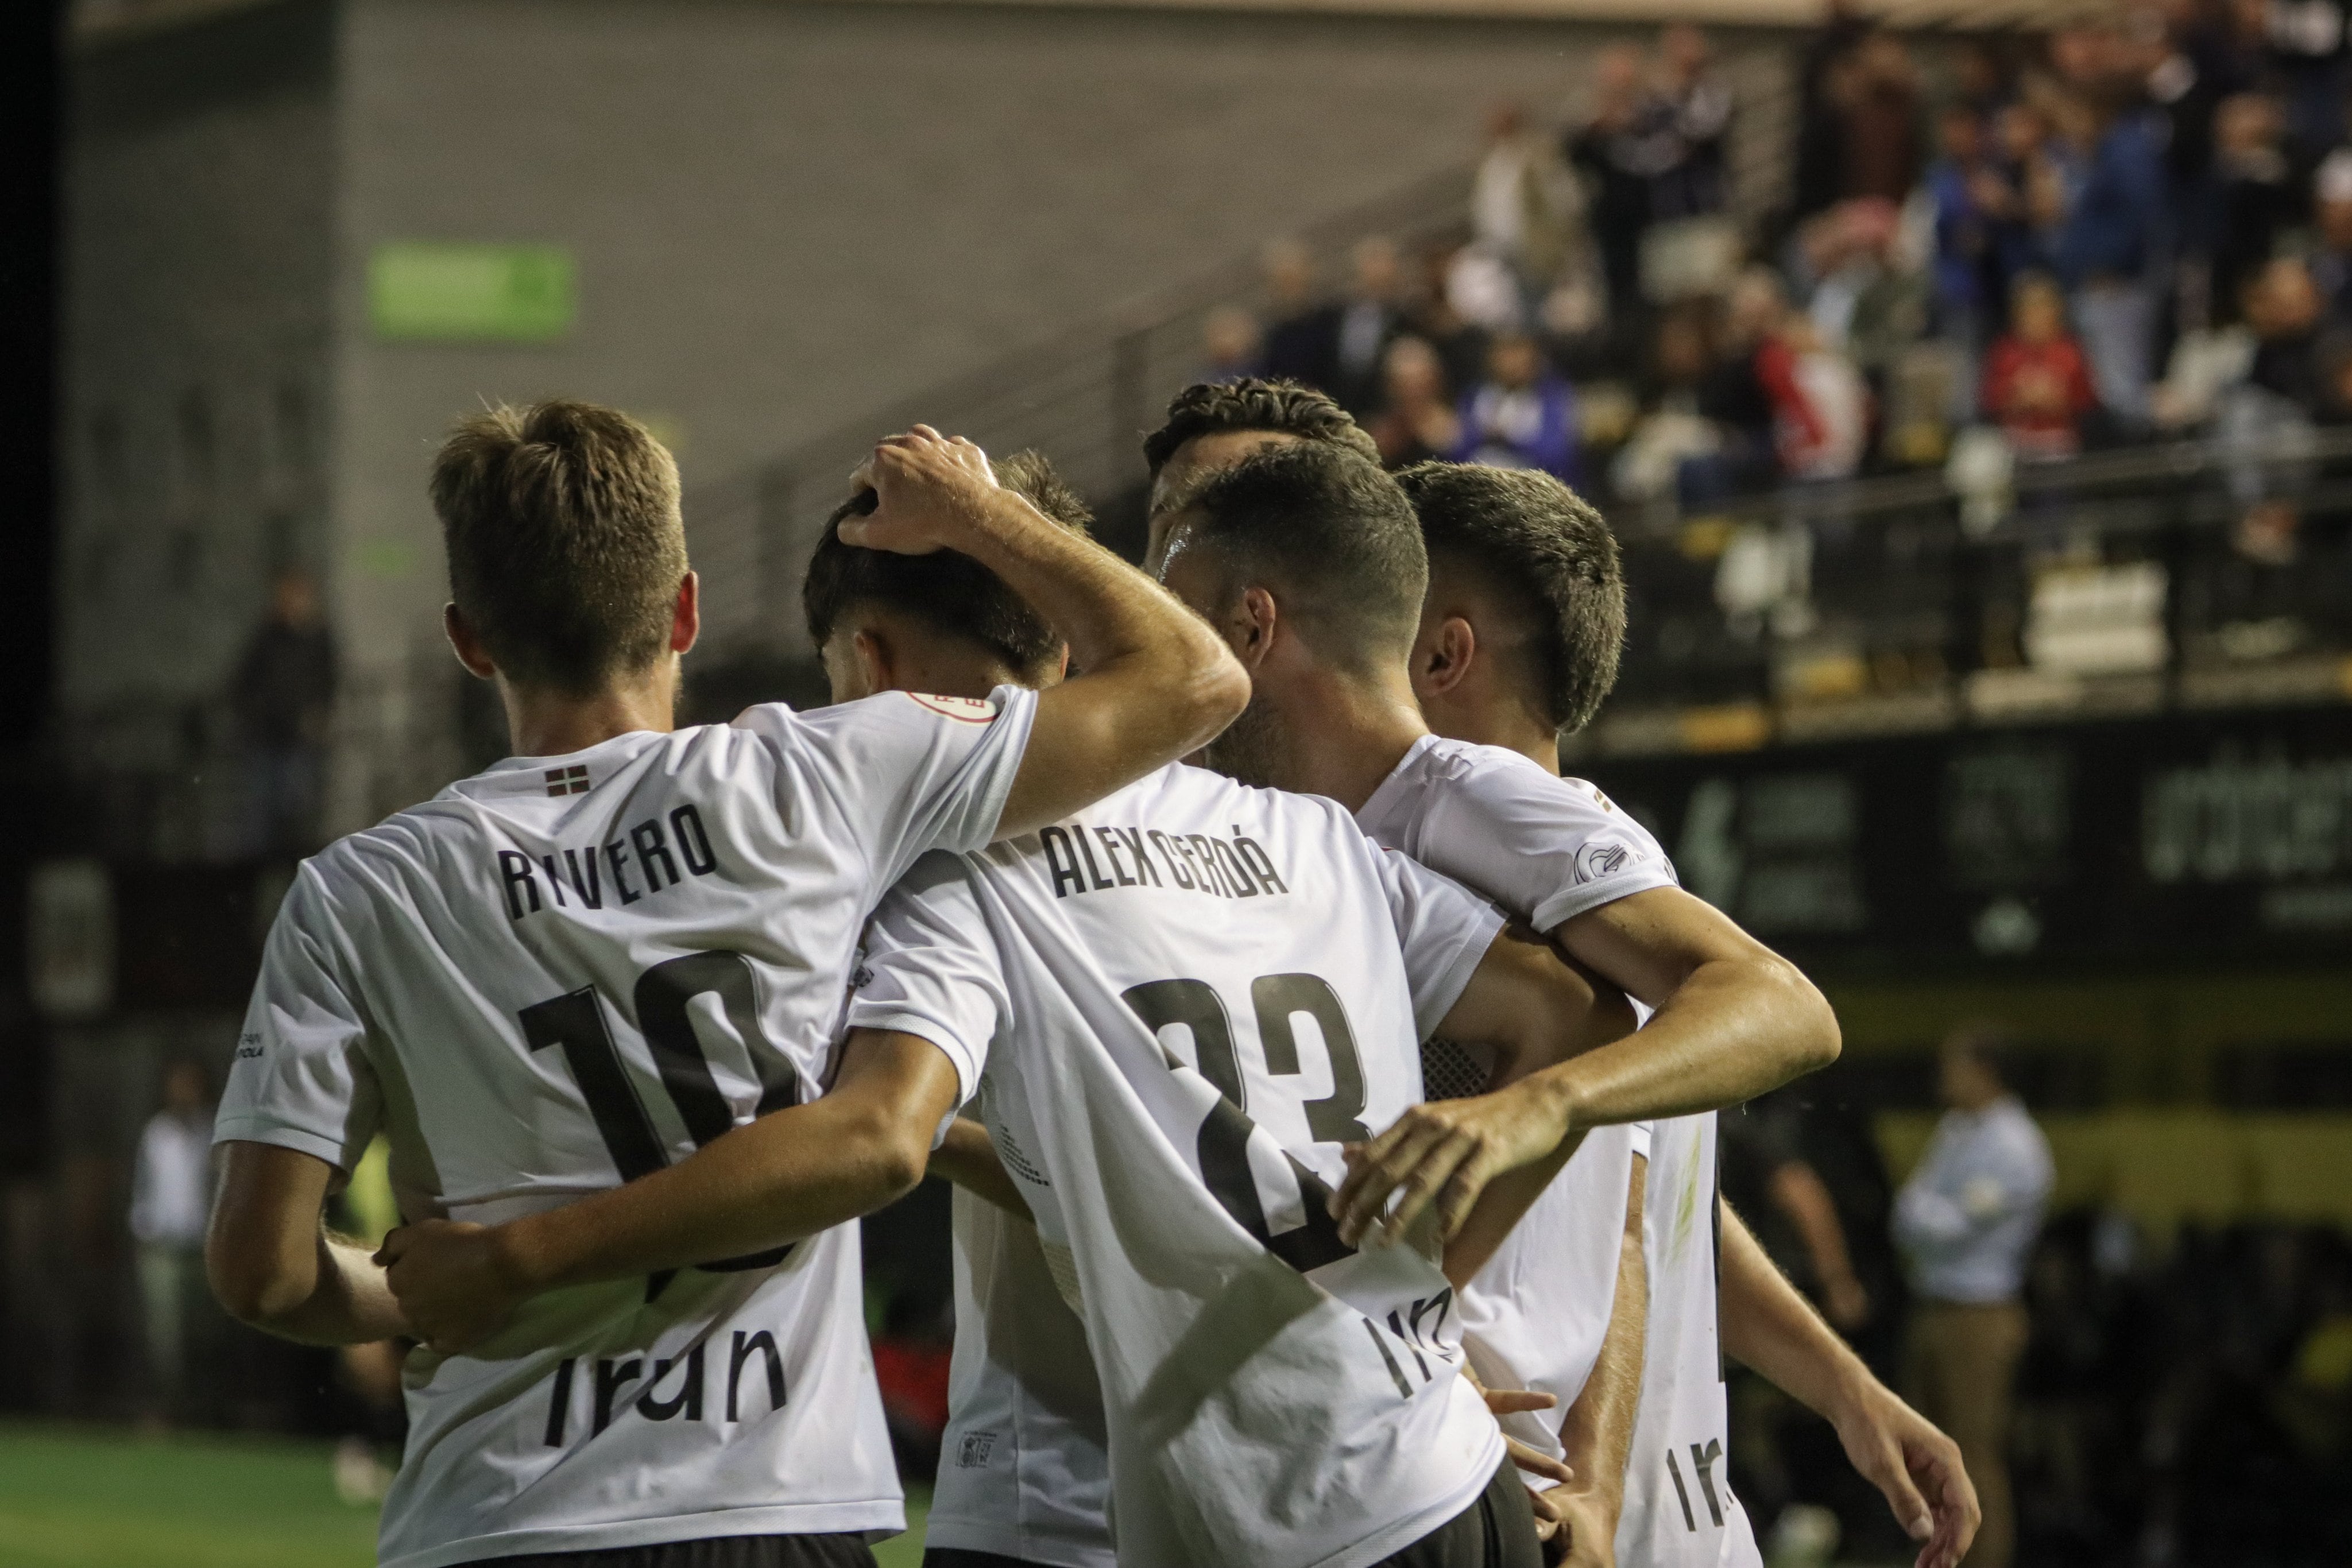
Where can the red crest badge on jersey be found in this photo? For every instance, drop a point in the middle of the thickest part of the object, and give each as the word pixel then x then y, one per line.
pixel 970 710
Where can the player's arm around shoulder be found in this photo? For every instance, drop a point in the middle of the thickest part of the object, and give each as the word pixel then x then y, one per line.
pixel 1154 681
pixel 776 1179
pixel 1732 1019
pixel 1535 1010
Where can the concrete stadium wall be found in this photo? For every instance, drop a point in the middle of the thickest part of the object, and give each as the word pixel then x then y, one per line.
pixel 198 223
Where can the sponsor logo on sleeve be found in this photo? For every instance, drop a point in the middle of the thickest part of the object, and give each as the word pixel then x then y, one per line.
pixel 968 710
pixel 1597 861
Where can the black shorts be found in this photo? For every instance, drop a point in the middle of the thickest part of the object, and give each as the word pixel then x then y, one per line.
pixel 718 1551
pixel 1498 1531
pixel 957 1557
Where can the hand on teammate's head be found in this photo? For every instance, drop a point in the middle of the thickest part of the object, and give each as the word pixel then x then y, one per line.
pixel 926 487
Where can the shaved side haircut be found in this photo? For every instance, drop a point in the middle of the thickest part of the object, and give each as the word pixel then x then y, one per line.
pixel 1544 550
pixel 565 545
pixel 1330 534
pixel 946 589
pixel 1255 403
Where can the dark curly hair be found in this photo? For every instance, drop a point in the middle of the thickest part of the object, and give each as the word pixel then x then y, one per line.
pixel 947 590
pixel 1331 534
pixel 1533 537
pixel 1254 403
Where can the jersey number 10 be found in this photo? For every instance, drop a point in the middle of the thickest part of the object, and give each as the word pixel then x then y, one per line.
pixel 576 1022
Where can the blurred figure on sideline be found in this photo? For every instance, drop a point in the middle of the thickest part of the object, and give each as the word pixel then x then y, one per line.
pixel 1965 1222
pixel 284 694
pixel 1696 103
pixel 1618 153
pixel 171 1201
pixel 1522 415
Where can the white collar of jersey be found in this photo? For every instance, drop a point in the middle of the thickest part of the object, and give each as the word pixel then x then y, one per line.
pixel 531 773
pixel 1372 808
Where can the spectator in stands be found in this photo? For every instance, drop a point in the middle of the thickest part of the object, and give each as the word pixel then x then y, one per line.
pixel 1230 345
pixel 2110 249
pixel 1731 390
pixel 2023 194
pixel 1877 93
pixel 1522 415
pixel 2331 260
pixel 1818 176
pixel 1417 421
pixel 283 693
pixel 1966 194
pixel 1303 343
pixel 1820 409
pixel 1525 206
pixel 1371 318
pixel 1448 314
pixel 1966 1221
pixel 2253 195
pixel 1696 103
pixel 170 1202
pixel 2283 308
pixel 1618 152
pixel 2037 385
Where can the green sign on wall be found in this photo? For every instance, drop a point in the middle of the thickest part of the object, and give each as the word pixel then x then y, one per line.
pixel 471 293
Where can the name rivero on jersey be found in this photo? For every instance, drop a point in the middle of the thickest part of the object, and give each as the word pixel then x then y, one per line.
pixel 577 874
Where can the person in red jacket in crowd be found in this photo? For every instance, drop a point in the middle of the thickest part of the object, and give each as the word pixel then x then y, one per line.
pixel 2037 384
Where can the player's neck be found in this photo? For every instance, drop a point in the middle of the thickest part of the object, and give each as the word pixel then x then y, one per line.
pixel 1507 725
pixel 1346 736
pixel 544 723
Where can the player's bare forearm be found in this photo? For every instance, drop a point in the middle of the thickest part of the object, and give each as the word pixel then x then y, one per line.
pixel 1597 1429
pixel 1733 1019
pixel 783 1177
pixel 787 1175
pixel 1769 1326
pixel 1532 1008
pixel 1154 681
pixel 969 1159
pixel 273 1266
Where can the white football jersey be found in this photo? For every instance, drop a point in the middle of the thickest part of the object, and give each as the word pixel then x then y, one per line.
pixel 1189 999
pixel 567 972
pixel 1024 1466
pixel 1679 1508
pixel 1549 848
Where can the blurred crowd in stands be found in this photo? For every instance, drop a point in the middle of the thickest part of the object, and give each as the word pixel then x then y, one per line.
pixel 1989 254
pixel 2122 230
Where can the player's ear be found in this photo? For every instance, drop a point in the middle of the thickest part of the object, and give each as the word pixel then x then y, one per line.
pixel 466 643
pixel 1255 617
pixel 876 668
pixel 1443 654
pixel 686 615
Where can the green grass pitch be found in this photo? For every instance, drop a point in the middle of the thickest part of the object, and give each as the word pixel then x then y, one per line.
pixel 89 1497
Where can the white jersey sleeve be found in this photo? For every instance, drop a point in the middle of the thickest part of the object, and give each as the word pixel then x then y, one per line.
pixel 903 771
pixel 1549 848
pixel 929 969
pixel 304 1079
pixel 1444 930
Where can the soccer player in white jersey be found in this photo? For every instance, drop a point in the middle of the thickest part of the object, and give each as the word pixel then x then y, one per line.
pixel 1519 643
pixel 1164 990
pixel 625 942
pixel 1340 720
pixel 1187 998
